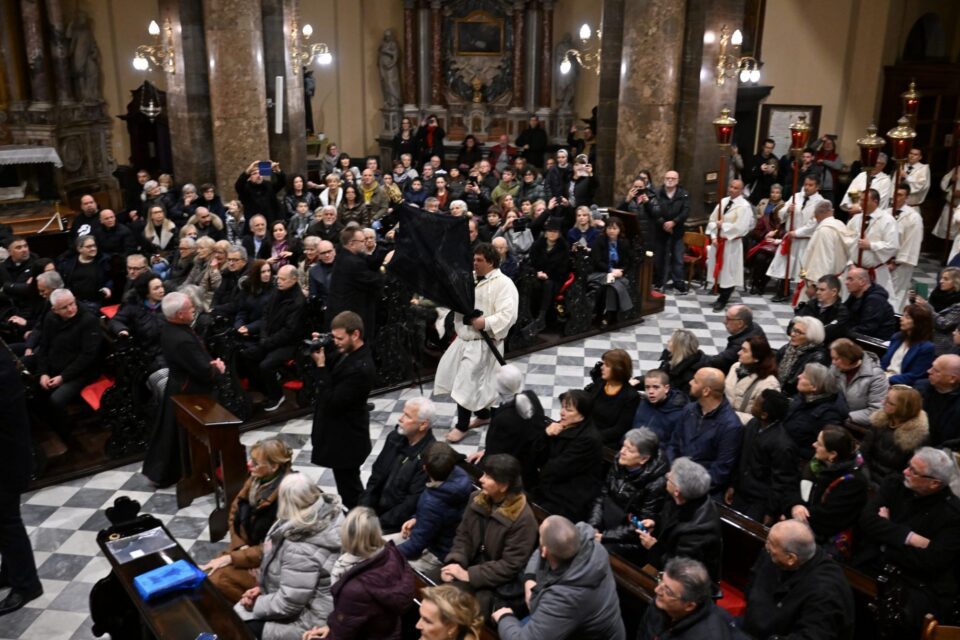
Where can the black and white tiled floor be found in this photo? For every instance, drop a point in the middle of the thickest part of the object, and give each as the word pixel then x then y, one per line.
pixel 63 520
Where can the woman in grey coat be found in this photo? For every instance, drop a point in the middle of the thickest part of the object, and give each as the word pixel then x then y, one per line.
pixel 863 384
pixel 298 555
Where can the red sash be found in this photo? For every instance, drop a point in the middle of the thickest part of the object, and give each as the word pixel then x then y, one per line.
pixel 718 265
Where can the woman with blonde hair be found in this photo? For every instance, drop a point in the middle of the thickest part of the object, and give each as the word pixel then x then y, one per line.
pixel 159 233
pixel 898 429
pixel 252 513
pixel 372 583
pixel 681 359
pixel 449 613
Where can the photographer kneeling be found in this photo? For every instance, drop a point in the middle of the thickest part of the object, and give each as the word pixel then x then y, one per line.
pixel 341 420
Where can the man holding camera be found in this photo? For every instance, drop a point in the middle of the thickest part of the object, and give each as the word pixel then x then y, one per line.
pixel 341 420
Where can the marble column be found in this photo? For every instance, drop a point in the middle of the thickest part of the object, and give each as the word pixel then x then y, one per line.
pixel 436 70
pixel 409 46
pixel 32 15
pixel 701 100
pixel 649 95
pixel 238 97
pixel 608 112
pixel 11 51
pixel 546 54
pixel 188 94
pixel 59 47
pixel 288 147
pixel 518 19
pixel 531 56
pixel 423 57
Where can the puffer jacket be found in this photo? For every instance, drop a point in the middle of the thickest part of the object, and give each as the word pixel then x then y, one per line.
pixel 887 448
pixel 661 418
pixel 866 389
pixel 639 492
pixel 295 572
pixel 740 392
pixel 439 511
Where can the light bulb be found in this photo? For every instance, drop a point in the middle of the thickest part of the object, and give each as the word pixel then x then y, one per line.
pixel 585 31
pixel 737 38
pixel 325 58
pixel 755 76
pixel 140 64
pixel 565 66
pixel 744 75
pixel 709 37
pixel 307 31
pixel 154 28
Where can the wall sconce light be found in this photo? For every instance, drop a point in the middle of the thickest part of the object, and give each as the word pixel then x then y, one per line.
pixel 587 56
pixel 303 53
pixel 158 54
pixel 732 65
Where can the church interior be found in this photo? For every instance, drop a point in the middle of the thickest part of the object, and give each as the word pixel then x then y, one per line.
pixel 117 106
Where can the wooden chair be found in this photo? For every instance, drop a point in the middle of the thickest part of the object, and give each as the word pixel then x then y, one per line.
pixel 934 631
pixel 695 243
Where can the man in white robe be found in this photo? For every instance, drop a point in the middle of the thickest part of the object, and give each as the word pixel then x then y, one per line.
pixel 948 185
pixel 468 368
pixel 802 205
pixel 910 228
pixel 730 221
pixel 879 180
pixel 879 244
pixel 917 175
pixel 827 251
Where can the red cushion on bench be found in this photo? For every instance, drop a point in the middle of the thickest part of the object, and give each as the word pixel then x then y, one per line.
pixel 93 392
pixel 732 601
pixel 110 311
pixel 296 385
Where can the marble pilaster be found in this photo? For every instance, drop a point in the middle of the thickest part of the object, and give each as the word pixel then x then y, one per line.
pixel 58 51
pixel 546 54
pixel 289 147
pixel 238 98
pixel 409 46
pixel 608 112
pixel 518 19
pixel 188 94
pixel 32 16
pixel 531 58
pixel 436 47
pixel 423 57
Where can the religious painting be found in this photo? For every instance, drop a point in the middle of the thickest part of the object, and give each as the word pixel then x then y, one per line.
pixel 775 121
pixel 479 34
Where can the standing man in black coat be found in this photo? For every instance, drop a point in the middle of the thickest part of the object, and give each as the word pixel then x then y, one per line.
pixel 341 420
pixel 19 571
pixel 796 590
pixel 259 195
pixel 192 371
pixel 533 142
pixel 669 224
pixel 355 284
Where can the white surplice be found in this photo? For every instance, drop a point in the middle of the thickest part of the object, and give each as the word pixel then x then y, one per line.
pixel 805 223
pixel 884 237
pixel 733 225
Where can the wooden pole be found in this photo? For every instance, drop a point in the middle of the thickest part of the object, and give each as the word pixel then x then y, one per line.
pixel 863 216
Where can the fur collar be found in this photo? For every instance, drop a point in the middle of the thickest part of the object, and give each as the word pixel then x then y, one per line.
pixel 510 509
pixel 907 436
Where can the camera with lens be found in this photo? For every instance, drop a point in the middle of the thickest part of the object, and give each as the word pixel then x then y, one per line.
pixel 322 341
pixel 519 224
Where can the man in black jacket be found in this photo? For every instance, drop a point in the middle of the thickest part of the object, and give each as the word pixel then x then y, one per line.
pixel 828 309
pixel 670 217
pixel 341 420
pixel 17 301
pixel 280 333
pixel 869 306
pixel 227 295
pixel 941 400
pixel 533 142
pixel 259 195
pixel 796 590
pixel 739 323
pixel 398 476
pixel 114 239
pixel 355 284
pixel 257 244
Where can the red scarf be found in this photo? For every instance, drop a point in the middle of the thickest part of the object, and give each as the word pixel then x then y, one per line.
pixel 721 244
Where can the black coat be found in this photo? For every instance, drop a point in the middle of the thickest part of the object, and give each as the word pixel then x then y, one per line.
pixel 355 287
pixel 322 231
pixel 692 530
pixel 190 373
pixel 766 474
pixel 639 492
pixel 709 622
pixel 814 602
pixel 557 181
pixel 70 348
pixel 682 374
pixel 509 432
pixel 117 241
pixel 804 420
pixel 250 308
pixel 832 508
pixel 141 322
pixel 569 467
pixel 943 413
pixel 788 382
pixel 675 209
pixel 835 318
pixel 15 434
pixel 266 247
pixel 261 198
pixel 554 262
pixel 227 295
pixel 613 415
pixel 341 421
pixel 397 480
pixel 535 138
pixel 283 324
pixel 871 313
pixel 600 255
pixel 731 353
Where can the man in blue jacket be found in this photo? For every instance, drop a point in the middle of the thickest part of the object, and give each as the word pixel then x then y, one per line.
pixel 709 431
pixel 662 407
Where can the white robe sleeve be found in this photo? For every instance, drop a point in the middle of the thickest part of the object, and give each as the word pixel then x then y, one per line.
pixel 911 236
pixel 885 242
pixel 505 307
pixel 807 222
pixel 919 182
pixel 738 225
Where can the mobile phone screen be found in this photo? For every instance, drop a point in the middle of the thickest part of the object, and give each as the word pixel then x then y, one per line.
pixel 265 168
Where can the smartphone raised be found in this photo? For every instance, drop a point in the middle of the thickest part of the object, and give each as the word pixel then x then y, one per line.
pixel 265 168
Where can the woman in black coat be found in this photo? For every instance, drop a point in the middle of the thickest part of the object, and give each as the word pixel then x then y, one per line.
pixel 634 487
pixel 614 400
pixel 838 492
pixel 141 316
pixel 550 260
pixel 682 358
pixel 430 139
pixel 256 287
pixel 612 258
pixel 405 141
pixel 568 456
pixel 817 403
pixel 470 154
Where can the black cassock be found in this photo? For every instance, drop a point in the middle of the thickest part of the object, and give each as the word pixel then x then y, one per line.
pixel 190 373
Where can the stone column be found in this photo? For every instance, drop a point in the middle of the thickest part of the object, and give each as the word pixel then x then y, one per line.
pixel 11 51
pixel 188 95
pixel 436 69
pixel 546 55
pixel 531 58
pixel 238 98
pixel 32 16
pixel 423 58
pixel 608 112
pixel 59 51
pixel 518 51
pixel 409 46
pixel 289 146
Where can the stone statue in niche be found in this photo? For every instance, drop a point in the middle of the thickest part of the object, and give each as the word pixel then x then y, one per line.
pixel 389 64
pixel 566 82
pixel 84 59
pixel 477 90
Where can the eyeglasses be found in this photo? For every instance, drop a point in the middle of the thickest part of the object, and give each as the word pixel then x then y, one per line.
pixel 327 252
pixel 65 306
pixel 797 332
pixel 667 591
pixel 917 474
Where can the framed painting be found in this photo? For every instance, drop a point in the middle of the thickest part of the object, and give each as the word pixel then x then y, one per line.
pixel 479 34
pixel 775 121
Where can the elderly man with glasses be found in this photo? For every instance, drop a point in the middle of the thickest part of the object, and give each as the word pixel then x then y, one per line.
pixel 739 323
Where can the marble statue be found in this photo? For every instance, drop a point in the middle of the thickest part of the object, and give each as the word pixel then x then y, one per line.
pixel 389 64
pixel 84 59
pixel 566 82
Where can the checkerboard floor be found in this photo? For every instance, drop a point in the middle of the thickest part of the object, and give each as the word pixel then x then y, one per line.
pixel 63 520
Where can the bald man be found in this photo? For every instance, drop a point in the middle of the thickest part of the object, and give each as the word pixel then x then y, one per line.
pixel 709 431
pixel 797 590
pixel 941 401
pixel 869 306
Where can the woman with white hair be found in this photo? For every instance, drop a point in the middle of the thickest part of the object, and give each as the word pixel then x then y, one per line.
pixel 818 402
pixel 299 553
pixel 805 346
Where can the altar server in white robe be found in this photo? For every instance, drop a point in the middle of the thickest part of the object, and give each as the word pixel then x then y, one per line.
pixel 917 175
pixel 802 205
pixel 828 249
pixel 879 180
pixel 910 227
pixel 729 223
pixel 467 370
pixel 948 185
pixel 879 244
